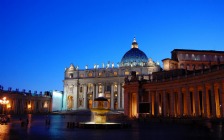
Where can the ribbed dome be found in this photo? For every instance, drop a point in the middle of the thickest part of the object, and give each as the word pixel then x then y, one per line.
pixel 134 57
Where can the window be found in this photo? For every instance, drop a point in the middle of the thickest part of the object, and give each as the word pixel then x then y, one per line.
pixel 115 87
pixel 71 75
pixel 100 74
pixel 90 74
pixel 90 88
pixel 180 57
pixel 126 73
pixel 115 73
pixel 198 57
pixel 186 57
pixel 100 89
pixel 193 57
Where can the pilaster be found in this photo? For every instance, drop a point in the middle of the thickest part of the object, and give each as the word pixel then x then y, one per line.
pixel 213 100
pixel 171 103
pixel 204 101
pixel 196 101
pixel 180 102
pixel 188 99
pixel 112 97
pixel 85 96
pixel 221 96
pixel 164 104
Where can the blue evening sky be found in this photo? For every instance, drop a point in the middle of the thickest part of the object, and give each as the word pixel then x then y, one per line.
pixel 39 38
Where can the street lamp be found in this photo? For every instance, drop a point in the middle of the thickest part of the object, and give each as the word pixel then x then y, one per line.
pixel 4 102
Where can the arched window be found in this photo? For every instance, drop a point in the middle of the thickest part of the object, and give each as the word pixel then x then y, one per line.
pixel 186 57
pixel 90 74
pixel 71 75
pixel 182 66
pixel 198 57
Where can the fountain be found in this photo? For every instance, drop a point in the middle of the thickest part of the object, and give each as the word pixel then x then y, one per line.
pixel 100 116
pixel 100 110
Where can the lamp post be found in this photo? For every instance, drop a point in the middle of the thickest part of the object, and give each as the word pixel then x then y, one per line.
pixel 3 102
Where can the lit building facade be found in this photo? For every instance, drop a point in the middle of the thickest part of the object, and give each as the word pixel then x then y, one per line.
pixel 82 86
pixel 192 84
pixel 22 102
pixel 192 59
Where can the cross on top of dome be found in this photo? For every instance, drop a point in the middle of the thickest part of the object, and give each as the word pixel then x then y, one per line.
pixel 134 43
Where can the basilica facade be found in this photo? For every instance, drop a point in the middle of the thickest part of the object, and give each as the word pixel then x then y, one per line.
pixel 82 86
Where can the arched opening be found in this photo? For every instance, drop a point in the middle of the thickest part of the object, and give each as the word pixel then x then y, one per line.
pixel 133 105
pixel 90 103
pixel 70 102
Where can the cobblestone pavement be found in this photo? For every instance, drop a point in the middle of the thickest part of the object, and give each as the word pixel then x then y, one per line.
pixel 41 127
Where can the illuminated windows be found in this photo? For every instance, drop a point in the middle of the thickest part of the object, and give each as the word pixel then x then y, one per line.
pixel 126 73
pixel 100 74
pixel 90 74
pixel 100 89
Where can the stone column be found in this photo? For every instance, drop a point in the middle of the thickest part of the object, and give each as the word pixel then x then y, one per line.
pixel 171 103
pixel 188 100
pixel 97 90
pixel 75 95
pixel 196 101
pixel 180 102
pixel 150 103
pixel 122 94
pixel 156 105
pixel 221 96
pixel 213 101
pixel 103 88
pixel 85 96
pixel 112 97
pixel 204 101
pixel 119 96
pixel 164 103
pixel 94 94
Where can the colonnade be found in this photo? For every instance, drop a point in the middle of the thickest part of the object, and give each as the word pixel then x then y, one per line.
pixel 204 100
pixel 21 105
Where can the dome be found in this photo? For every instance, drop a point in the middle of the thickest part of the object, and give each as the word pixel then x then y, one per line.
pixel 134 57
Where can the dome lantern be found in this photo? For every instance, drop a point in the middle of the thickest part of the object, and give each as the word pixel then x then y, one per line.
pixel 134 43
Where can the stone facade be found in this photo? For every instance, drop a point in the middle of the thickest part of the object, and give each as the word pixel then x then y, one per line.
pixel 82 86
pixel 22 102
pixel 176 92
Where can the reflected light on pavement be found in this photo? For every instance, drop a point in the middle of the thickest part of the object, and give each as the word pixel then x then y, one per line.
pixel 4 132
